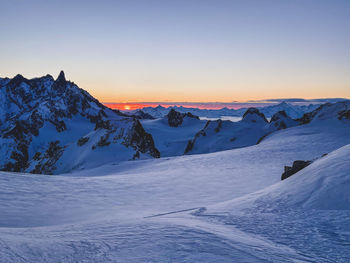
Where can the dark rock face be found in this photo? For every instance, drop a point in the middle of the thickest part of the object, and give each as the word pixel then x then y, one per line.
pixel 277 116
pixel 47 162
pixel 280 120
pixel 82 141
pixel 189 146
pixel 345 114
pixel 19 157
pixel 141 140
pixel 191 143
pixel 252 112
pixel 218 128
pixel 309 116
pixel 296 167
pixel 176 118
pixel 190 115
pixel 34 105
pixel 104 141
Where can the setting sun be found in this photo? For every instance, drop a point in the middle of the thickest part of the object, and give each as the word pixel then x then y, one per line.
pixel 126 107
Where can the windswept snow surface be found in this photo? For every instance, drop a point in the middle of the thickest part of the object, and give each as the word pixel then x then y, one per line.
pixel 185 209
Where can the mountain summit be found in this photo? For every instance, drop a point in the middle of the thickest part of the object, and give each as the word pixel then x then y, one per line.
pixel 61 77
pixel 51 126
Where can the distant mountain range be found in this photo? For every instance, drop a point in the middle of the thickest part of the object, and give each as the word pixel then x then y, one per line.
pixel 52 126
pixel 192 135
pixel 294 110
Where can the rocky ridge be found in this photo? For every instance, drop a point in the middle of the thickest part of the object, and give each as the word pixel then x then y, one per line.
pixel 38 126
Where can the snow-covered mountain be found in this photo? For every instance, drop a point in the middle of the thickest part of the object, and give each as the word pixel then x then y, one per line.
pixel 328 111
pixel 183 133
pixel 292 110
pixel 224 135
pixel 172 132
pixel 194 136
pixel 52 126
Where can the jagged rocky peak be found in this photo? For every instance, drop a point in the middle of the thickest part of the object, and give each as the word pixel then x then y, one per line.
pixel 280 120
pixel 61 77
pixel 176 118
pixel 38 122
pixel 254 115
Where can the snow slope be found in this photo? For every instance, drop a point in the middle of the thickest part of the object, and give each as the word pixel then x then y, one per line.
pixel 155 210
pixel 172 141
pixel 224 135
pixel 324 184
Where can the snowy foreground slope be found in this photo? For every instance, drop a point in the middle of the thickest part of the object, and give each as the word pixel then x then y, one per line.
pixel 227 206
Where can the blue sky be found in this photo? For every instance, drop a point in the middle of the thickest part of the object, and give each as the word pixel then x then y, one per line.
pixel 219 50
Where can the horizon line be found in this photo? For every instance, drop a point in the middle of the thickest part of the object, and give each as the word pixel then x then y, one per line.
pixel 218 105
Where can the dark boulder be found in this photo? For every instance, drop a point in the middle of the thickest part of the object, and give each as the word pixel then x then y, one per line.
pixel 296 167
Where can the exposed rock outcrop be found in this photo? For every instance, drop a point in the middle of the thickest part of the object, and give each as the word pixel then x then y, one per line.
pixel 296 167
pixel 254 115
pixel 176 118
pixel 281 120
pixel 344 114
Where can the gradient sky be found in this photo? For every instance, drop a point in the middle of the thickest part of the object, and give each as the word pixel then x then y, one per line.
pixel 123 51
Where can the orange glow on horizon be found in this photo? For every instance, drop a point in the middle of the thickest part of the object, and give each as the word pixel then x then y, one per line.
pixel 126 106
pixel 136 105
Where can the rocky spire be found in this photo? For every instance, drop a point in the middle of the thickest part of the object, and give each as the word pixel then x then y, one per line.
pixel 61 77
